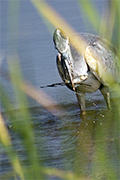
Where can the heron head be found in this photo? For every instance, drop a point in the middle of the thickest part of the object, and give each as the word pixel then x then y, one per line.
pixel 60 40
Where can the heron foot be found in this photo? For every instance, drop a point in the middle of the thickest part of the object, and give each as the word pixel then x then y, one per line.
pixel 83 113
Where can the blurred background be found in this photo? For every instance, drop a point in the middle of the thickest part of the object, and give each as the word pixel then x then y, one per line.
pixel 87 146
pixel 23 30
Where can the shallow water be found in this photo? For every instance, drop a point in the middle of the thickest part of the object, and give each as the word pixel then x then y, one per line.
pixel 67 141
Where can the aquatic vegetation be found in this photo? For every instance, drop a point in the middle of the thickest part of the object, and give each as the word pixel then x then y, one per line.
pixel 93 141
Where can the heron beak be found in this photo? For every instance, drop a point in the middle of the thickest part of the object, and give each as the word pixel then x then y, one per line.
pixel 69 71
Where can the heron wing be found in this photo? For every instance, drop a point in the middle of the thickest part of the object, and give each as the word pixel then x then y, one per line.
pixel 103 62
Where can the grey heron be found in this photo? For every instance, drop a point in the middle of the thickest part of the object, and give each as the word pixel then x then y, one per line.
pixel 97 69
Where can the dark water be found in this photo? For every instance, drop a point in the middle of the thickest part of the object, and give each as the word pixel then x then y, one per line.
pixel 71 142
pixel 66 141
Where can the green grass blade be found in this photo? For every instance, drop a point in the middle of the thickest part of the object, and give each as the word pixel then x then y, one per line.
pixel 91 12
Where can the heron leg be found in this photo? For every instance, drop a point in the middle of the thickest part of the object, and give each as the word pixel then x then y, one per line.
pixel 106 94
pixel 81 101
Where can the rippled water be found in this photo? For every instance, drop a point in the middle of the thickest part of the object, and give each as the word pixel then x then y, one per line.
pixel 68 140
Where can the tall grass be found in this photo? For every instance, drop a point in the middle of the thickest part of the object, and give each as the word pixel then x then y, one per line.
pixel 101 165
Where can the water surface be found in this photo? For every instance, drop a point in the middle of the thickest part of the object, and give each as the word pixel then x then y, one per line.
pixel 67 141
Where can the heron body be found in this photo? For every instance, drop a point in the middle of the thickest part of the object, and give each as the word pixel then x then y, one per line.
pixel 97 69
